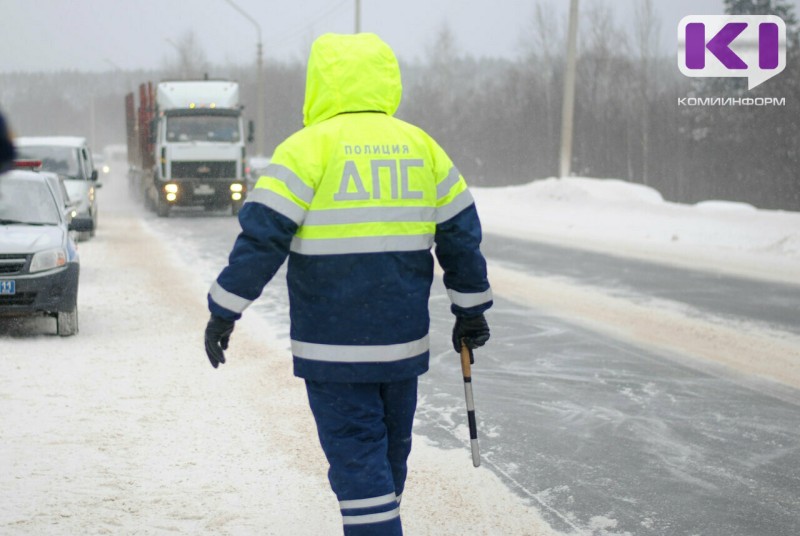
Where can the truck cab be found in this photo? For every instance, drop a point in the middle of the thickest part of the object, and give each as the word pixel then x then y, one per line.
pixel 199 146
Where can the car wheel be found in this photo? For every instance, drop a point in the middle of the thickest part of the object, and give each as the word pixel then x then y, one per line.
pixel 67 322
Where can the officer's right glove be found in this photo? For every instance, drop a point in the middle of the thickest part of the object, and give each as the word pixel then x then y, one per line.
pixel 473 330
pixel 218 334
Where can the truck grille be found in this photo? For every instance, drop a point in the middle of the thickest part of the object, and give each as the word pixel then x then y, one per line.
pixel 204 170
pixel 11 264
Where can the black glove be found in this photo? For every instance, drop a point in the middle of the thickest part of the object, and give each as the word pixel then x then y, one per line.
pixel 473 330
pixel 218 333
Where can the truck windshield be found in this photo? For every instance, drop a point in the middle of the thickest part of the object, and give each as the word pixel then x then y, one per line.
pixel 61 160
pixel 203 128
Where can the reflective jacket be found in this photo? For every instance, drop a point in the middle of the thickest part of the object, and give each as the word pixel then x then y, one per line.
pixel 357 199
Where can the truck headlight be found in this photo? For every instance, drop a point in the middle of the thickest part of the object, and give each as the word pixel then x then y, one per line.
pixel 48 259
pixel 236 187
pixel 171 188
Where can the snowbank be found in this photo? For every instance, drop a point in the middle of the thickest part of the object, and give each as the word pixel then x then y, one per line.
pixel 628 219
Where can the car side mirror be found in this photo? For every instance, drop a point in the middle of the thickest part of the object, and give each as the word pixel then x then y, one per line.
pixel 94 175
pixel 251 131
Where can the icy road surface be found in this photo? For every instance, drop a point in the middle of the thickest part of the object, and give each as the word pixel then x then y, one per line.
pixel 607 434
pixel 609 404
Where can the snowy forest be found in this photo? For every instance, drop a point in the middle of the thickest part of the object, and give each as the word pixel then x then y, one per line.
pixel 500 119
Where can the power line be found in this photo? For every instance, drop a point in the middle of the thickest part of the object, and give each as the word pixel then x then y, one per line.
pixel 300 30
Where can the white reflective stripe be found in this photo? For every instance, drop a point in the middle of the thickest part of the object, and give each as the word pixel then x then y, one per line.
pixel 444 187
pixel 469 299
pixel 368 503
pixel 278 203
pixel 456 205
pixel 291 180
pixel 342 353
pixel 399 498
pixel 361 244
pixel 370 215
pixel 371 518
pixel 228 300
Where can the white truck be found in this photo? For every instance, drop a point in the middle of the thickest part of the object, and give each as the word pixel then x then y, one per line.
pixel 186 145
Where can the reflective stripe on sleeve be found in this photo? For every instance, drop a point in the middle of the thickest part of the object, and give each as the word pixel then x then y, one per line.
pixel 361 244
pixel 368 503
pixel 341 353
pixel 371 518
pixel 228 300
pixel 469 299
pixel 278 203
pixel 444 187
pixel 292 181
pixel 459 203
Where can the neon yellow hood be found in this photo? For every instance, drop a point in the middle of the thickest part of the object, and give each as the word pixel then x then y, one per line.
pixel 350 73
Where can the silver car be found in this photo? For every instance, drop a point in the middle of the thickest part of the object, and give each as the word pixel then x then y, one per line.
pixel 39 263
pixel 68 156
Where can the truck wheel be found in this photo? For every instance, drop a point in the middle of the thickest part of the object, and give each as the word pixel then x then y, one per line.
pixel 162 207
pixel 67 322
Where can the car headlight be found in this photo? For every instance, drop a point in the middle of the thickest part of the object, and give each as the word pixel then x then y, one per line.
pixel 48 259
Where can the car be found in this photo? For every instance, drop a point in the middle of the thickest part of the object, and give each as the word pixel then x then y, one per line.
pixel 115 159
pixel 68 156
pixel 39 261
pixel 256 166
pixel 100 164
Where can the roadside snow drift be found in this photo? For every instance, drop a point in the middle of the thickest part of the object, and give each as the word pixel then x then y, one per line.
pixel 627 219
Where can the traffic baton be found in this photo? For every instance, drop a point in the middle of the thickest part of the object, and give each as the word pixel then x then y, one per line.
pixel 466 360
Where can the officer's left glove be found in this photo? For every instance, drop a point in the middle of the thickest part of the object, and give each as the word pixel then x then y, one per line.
pixel 218 334
pixel 473 330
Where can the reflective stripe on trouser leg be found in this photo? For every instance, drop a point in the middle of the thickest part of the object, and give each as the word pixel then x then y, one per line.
pixel 351 422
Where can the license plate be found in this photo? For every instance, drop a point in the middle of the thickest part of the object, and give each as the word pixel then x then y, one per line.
pixel 203 189
pixel 8 287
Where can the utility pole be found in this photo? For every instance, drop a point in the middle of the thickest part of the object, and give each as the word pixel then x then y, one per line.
pixel 568 107
pixel 358 16
pixel 260 130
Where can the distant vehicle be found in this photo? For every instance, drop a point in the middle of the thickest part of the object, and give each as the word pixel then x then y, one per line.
pixel 256 165
pixel 100 163
pixel 115 159
pixel 69 157
pixel 39 263
pixel 186 144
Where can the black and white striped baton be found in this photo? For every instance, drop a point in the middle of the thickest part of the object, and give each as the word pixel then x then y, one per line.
pixel 466 360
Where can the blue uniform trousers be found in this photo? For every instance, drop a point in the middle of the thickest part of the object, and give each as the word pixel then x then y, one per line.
pixel 365 432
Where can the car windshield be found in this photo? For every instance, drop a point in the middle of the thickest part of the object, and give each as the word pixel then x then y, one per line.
pixel 27 202
pixel 203 128
pixel 62 160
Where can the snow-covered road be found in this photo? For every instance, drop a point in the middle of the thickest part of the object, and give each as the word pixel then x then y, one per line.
pixel 126 428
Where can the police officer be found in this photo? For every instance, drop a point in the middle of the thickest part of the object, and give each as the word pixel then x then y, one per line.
pixel 7 152
pixel 357 199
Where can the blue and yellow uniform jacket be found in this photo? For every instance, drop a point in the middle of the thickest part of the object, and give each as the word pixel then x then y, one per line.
pixel 356 200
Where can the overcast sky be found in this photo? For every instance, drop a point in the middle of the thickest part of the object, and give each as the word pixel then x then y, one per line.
pixel 105 34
